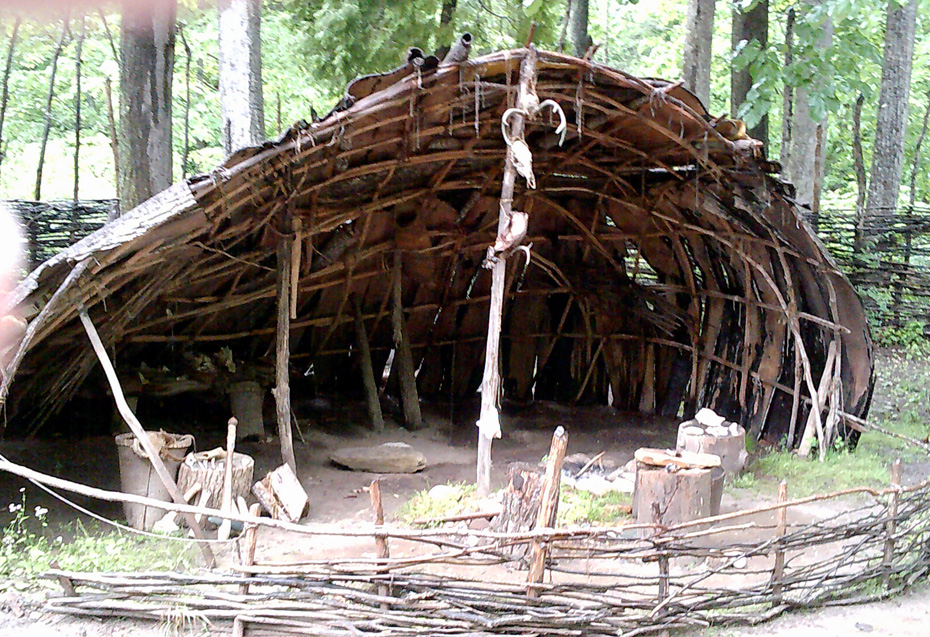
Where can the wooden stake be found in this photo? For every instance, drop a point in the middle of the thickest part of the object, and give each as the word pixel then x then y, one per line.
pixel 548 508
pixel 384 552
pixel 489 420
pixel 223 533
pixel 247 544
pixel 818 400
pixel 295 265
pixel 781 525
pixel 403 356
pixel 368 372
pixel 656 514
pixel 890 526
pixel 282 392
pixel 137 429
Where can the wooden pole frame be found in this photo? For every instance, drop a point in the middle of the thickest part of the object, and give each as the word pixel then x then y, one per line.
pixel 282 390
pixel 489 420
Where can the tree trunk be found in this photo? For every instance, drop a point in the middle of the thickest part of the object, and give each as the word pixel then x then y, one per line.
pixel 5 96
pixel 186 150
pixel 578 27
pixel 859 167
pixel 241 73
pixel 749 26
pixel 787 107
pixel 801 164
pixel 891 122
pixel 77 111
pixel 147 47
pixel 699 34
pixel 48 109
pixel 446 13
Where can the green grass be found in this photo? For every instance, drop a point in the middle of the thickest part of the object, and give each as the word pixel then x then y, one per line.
pixel 27 549
pixel 577 507
pixel 462 498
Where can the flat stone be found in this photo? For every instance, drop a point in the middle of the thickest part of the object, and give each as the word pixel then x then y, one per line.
pixel 391 457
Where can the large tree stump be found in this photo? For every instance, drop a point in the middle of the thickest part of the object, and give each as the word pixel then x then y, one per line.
pixel 208 469
pixel 682 490
pixel 246 402
pixel 520 506
pixel 728 441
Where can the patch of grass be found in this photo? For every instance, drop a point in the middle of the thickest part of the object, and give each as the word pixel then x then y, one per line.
pixel 839 470
pixel 27 549
pixel 456 498
pixel 576 507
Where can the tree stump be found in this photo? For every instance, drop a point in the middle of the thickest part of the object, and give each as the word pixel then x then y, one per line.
pixel 681 493
pixel 727 441
pixel 208 469
pixel 246 403
pixel 520 506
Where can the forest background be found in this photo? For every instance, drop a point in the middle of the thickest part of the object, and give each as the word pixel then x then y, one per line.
pixel 810 58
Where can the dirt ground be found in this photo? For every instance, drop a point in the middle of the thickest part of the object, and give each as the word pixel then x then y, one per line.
pixel 337 496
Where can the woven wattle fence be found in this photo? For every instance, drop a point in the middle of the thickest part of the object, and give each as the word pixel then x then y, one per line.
pixel 741 567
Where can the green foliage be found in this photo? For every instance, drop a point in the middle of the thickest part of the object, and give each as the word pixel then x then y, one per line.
pixel 582 507
pixel 909 338
pixel 457 498
pixel 27 548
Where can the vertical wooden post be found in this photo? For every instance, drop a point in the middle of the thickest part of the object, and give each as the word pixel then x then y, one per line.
pixel 548 508
pixel 891 524
pixel 781 525
pixel 247 544
pixel 282 392
pixel 403 355
pixel 384 552
pixel 489 420
pixel 160 470
pixel 368 372
pixel 227 502
pixel 663 559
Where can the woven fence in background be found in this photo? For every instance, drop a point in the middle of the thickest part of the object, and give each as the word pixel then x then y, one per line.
pixel 52 226
pixel 891 267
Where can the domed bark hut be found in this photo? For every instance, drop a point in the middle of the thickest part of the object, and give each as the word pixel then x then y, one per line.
pixel 668 268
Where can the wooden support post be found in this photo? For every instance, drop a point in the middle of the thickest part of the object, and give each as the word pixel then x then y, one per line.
pixel 814 427
pixel 548 508
pixel 247 544
pixel 781 525
pixel 160 470
pixel 656 513
pixel 489 420
pixel 282 392
pixel 384 552
pixel 403 356
pixel 228 505
pixel 368 372
pixel 890 526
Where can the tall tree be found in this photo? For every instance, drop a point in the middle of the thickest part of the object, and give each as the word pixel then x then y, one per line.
pixel 147 61
pixel 241 73
pixel 5 92
pixel 699 36
pixel 578 27
pixel 750 27
pixel 891 122
pixel 43 145
pixel 803 164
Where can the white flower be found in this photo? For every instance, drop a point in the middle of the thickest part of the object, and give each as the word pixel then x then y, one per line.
pixel 15 507
pixel 22 489
pixel 40 512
